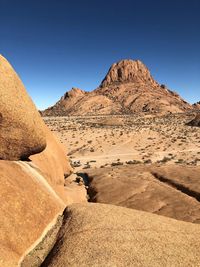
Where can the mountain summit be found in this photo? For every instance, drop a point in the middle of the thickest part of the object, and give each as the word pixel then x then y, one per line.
pixel 127 88
pixel 127 71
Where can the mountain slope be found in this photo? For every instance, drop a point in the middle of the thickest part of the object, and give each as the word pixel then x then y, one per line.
pixel 197 105
pixel 127 88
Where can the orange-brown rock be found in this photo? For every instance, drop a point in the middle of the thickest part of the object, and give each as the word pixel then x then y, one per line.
pixel 53 164
pixel 33 195
pixel 127 88
pixel 171 191
pixel 128 71
pixel 197 106
pixel 195 121
pixel 67 102
pixel 106 235
pixel 21 127
pixel 32 201
pixel 29 206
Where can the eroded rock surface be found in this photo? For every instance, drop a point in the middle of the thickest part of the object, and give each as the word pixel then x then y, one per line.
pixel 128 71
pixel 106 235
pixel 21 127
pixel 171 190
pixel 195 121
pixel 127 88
pixel 33 195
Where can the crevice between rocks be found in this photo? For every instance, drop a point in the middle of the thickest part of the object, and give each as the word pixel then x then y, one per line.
pixel 91 192
pixel 62 228
pixel 180 187
pixel 39 252
pixel 59 239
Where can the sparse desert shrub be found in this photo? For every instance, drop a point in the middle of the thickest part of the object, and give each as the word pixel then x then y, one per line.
pixel 116 163
pixel 164 160
pixel 179 161
pixel 147 161
pixel 133 162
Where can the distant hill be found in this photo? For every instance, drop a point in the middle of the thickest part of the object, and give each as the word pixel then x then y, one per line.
pixel 127 88
pixel 197 105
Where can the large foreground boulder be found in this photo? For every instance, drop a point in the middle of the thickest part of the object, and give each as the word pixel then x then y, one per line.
pixel 29 209
pixel 33 195
pixel 53 164
pixel 21 127
pixel 33 198
pixel 106 235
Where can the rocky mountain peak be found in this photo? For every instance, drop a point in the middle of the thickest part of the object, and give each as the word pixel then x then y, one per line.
pixel 127 88
pixel 128 71
pixel 74 92
pixel 196 105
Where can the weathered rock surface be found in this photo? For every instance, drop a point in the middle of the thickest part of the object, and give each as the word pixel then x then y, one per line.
pixel 197 105
pixel 127 88
pixel 128 71
pixel 33 195
pixel 53 164
pixel 106 235
pixel 28 207
pixel 195 121
pixel 170 190
pixel 21 127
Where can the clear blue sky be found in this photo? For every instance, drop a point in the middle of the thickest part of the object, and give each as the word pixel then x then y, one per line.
pixel 56 44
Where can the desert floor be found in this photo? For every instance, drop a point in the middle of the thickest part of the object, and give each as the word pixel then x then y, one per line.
pixel 144 162
pixel 108 140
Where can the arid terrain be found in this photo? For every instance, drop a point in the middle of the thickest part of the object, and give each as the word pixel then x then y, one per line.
pixel 141 170
pixel 100 141
pixel 145 162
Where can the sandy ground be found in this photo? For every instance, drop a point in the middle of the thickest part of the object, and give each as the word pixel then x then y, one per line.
pixel 104 140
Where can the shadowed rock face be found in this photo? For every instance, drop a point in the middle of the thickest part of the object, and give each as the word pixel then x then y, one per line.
pixel 195 121
pixel 127 88
pixel 21 127
pixel 196 105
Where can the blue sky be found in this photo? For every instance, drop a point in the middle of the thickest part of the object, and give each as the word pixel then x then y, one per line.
pixel 55 44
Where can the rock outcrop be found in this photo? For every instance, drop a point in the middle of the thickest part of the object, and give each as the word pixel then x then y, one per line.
pixel 195 122
pixel 106 235
pixel 67 102
pixel 197 106
pixel 21 127
pixel 171 191
pixel 127 88
pixel 127 71
pixel 29 207
pixel 33 195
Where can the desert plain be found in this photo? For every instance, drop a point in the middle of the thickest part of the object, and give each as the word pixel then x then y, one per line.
pixel 100 141
pixel 148 162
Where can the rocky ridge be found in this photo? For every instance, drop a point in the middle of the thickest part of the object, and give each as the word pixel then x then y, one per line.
pixel 126 71
pixel 197 105
pixel 127 88
pixel 195 121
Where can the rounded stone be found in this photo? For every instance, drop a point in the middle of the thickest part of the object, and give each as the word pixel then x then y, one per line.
pixel 22 130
